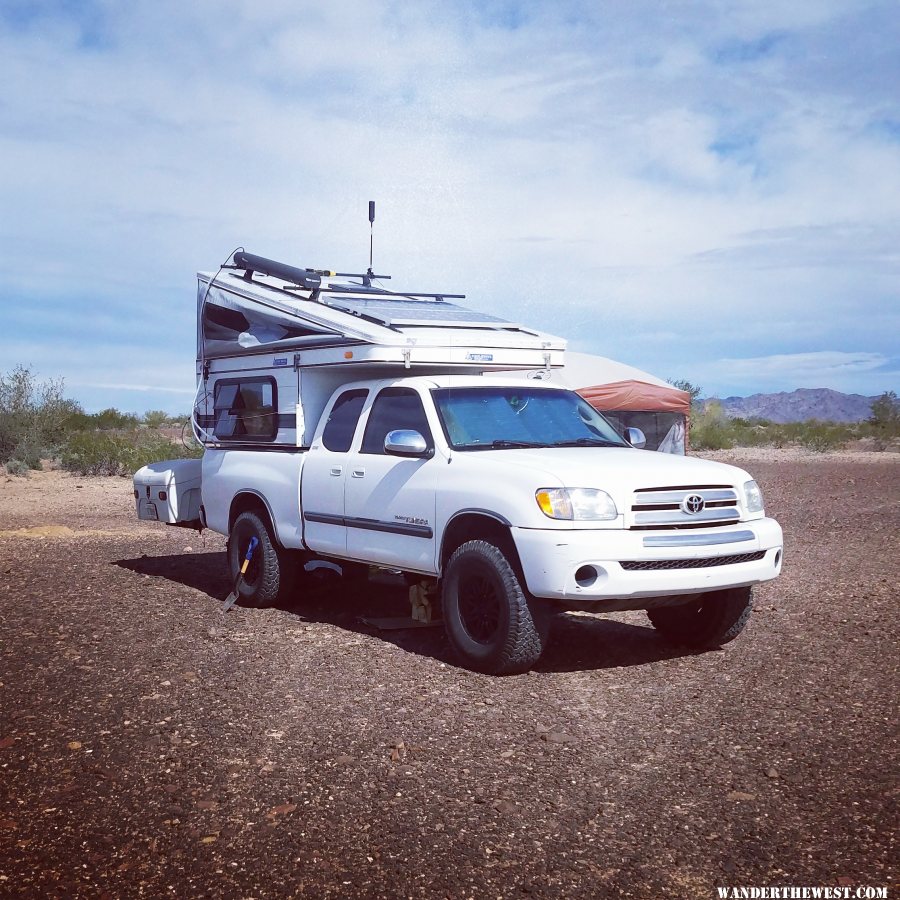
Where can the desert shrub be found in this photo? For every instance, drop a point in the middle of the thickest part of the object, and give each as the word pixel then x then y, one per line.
pixel 116 453
pixel 17 467
pixel 821 437
pixel 33 416
pixel 32 448
pixel 884 423
pixel 156 418
pixel 110 419
pixel 710 428
pixel 751 432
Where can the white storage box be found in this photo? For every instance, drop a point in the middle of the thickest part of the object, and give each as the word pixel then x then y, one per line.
pixel 168 491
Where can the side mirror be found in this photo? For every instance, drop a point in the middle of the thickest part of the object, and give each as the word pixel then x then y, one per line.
pixel 404 442
pixel 636 438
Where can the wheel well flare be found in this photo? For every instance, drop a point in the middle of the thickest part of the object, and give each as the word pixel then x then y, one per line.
pixel 478 527
pixel 247 501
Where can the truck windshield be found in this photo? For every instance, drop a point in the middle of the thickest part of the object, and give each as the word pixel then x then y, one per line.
pixel 503 418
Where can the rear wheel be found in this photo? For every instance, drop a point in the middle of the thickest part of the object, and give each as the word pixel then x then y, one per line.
pixel 710 620
pixel 487 616
pixel 267 578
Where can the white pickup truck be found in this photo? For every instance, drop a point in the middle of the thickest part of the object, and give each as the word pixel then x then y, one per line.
pixel 509 498
pixel 517 497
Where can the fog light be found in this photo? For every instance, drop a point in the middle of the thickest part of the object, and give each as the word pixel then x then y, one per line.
pixel 778 559
pixel 585 576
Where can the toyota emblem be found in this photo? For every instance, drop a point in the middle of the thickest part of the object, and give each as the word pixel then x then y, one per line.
pixel 692 504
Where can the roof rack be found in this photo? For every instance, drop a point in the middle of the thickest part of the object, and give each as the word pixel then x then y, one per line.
pixel 307 279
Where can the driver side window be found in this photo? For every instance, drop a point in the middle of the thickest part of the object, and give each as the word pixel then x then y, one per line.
pixel 393 409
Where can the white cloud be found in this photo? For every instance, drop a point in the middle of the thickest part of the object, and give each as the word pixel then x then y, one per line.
pixel 599 170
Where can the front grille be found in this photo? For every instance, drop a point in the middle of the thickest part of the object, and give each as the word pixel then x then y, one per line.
pixel 662 507
pixel 705 563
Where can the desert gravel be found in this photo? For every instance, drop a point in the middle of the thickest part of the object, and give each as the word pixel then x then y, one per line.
pixel 150 746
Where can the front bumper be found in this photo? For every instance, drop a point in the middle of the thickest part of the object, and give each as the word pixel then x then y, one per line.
pixel 584 566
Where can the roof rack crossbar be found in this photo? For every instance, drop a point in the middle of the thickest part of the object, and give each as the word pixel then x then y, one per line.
pixel 311 279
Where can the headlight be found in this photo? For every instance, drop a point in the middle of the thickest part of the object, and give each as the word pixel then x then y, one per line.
pixel 753 497
pixel 576 503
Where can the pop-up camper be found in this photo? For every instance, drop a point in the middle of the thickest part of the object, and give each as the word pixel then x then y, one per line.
pixel 303 332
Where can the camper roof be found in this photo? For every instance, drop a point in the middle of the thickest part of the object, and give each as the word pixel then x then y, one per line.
pixel 245 310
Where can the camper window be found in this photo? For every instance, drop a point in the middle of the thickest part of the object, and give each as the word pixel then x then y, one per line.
pixel 395 408
pixel 245 410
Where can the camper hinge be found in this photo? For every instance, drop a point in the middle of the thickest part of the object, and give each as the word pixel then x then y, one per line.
pixel 296 362
pixel 406 355
pixel 547 363
pixel 206 370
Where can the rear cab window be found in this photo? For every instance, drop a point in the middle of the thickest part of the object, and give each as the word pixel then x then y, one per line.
pixel 337 436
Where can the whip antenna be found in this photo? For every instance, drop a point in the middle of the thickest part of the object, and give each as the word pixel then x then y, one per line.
pixel 371 273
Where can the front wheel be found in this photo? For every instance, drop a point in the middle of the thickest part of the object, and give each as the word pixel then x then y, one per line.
pixel 711 620
pixel 487 616
pixel 267 578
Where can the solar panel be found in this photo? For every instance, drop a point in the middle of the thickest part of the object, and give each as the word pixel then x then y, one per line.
pixel 401 311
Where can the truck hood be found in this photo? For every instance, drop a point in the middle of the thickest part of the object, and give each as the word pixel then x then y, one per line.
pixel 616 470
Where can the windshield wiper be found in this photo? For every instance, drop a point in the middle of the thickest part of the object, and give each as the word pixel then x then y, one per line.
pixel 504 444
pixel 586 442
pixel 501 444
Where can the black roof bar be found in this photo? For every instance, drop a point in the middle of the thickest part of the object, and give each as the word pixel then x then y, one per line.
pixel 311 279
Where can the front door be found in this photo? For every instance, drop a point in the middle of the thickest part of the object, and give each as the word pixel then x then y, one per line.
pixel 389 501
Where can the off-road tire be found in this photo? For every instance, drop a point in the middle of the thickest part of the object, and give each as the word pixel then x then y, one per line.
pixel 269 576
pixel 488 619
pixel 711 620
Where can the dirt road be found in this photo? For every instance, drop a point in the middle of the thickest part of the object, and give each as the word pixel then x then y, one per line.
pixel 151 746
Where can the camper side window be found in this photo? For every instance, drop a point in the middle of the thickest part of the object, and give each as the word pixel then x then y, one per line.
pixel 246 410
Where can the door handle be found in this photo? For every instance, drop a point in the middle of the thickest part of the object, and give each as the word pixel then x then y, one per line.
pixel 336 470
pixel 358 473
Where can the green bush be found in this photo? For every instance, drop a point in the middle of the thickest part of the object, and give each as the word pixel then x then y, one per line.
pixel 121 453
pixel 17 467
pixel 36 423
pixel 109 419
pixel 820 437
pixel 156 418
pixel 711 428
pixel 32 417
pixel 884 423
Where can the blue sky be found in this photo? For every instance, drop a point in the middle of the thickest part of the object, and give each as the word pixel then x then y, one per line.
pixel 706 190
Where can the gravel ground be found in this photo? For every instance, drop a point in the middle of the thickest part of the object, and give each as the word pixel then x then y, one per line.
pixel 151 746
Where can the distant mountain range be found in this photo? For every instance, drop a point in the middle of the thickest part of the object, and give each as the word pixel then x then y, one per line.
pixel 798 406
